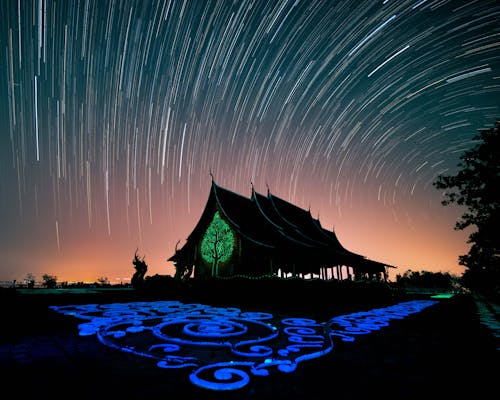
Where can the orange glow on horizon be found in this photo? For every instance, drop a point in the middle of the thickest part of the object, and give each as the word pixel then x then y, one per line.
pixel 427 244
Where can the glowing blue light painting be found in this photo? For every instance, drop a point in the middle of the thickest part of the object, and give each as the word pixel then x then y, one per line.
pixel 224 347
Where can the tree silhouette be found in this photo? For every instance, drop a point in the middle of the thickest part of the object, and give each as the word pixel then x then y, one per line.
pixel 103 281
pixel 217 243
pixel 49 281
pixel 29 280
pixel 476 186
pixel 427 280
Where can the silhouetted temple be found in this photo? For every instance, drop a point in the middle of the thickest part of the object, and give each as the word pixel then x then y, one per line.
pixel 266 235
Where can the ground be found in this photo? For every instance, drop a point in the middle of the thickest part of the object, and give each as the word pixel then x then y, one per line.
pixel 446 350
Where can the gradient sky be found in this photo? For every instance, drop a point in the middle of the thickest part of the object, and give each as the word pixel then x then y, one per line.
pixel 113 114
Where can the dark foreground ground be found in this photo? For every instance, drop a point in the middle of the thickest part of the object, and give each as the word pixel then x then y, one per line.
pixel 443 351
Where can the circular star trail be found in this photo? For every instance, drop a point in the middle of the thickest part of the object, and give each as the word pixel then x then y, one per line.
pixel 113 114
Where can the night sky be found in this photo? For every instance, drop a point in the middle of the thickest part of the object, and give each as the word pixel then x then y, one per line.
pixel 114 113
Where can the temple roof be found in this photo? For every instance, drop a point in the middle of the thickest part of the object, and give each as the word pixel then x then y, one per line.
pixel 275 224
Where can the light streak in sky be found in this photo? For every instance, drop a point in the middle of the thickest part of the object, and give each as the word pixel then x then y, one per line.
pixel 465 75
pixel 106 182
pixel 371 34
pixel 419 4
pixel 182 150
pixel 57 236
pixel 389 59
pixel 36 120
pixel 165 135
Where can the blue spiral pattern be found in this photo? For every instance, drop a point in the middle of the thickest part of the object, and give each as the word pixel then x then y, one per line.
pixel 198 337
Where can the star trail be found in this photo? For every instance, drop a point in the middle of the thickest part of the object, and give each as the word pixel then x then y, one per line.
pixel 113 114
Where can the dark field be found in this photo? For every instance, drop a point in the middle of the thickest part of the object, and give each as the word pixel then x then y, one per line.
pixel 444 351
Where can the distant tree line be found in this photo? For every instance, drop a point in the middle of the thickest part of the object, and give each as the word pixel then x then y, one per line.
pixel 428 280
pixel 50 282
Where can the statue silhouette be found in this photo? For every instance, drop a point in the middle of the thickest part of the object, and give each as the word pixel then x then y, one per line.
pixel 140 270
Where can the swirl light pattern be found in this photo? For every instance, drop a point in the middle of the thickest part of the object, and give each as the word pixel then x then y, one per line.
pixel 202 338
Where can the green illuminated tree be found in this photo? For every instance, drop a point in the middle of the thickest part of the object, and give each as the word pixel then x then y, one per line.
pixel 475 187
pixel 218 243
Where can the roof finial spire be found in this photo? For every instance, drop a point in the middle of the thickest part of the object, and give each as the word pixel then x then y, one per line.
pixel 268 191
pixel 211 175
